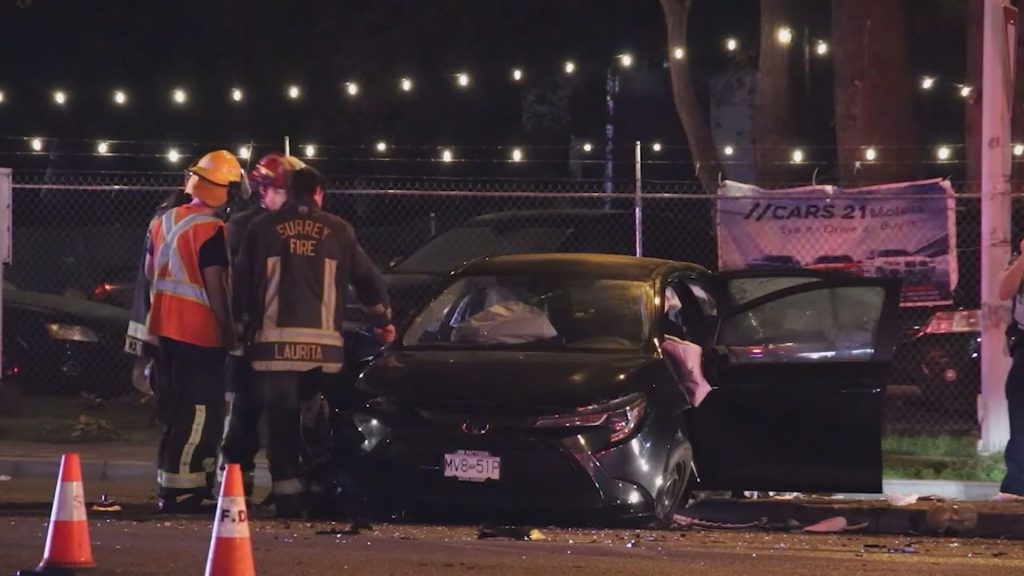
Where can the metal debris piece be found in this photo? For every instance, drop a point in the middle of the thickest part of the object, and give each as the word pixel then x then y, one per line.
pixel 513 532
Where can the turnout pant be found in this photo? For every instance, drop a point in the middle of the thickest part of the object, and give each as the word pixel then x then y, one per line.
pixel 242 439
pixel 190 405
pixel 1013 482
pixel 299 434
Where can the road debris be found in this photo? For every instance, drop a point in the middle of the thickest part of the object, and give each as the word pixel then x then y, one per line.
pixel 513 532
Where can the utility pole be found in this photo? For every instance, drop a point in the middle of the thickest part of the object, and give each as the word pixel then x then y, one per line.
pixel 611 91
pixel 996 96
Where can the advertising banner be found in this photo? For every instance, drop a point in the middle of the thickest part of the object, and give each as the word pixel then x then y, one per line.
pixel 905 230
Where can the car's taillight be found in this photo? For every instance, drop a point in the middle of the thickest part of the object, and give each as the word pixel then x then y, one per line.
pixel 102 291
pixel 620 417
pixel 954 321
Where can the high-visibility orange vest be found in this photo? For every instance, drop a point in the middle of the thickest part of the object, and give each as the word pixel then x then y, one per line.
pixel 180 307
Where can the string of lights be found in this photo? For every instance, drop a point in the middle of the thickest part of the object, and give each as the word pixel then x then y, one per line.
pixel 179 96
pixel 382 149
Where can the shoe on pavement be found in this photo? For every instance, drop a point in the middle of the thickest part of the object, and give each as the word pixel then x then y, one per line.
pixel 190 503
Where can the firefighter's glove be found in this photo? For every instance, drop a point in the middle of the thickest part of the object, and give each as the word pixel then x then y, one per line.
pixel 385 335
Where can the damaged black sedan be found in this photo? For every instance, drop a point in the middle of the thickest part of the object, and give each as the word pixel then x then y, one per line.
pixel 612 386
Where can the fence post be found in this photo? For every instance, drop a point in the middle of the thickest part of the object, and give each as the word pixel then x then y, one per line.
pixel 995 227
pixel 638 208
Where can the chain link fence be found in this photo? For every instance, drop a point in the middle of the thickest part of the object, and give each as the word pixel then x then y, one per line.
pixel 77 239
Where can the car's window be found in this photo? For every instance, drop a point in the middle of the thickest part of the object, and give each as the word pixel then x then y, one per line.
pixel 547 312
pixel 892 253
pixel 456 247
pixel 833 260
pixel 742 290
pixel 828 324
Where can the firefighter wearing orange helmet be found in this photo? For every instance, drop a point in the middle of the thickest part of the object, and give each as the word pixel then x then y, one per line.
pixel 187 265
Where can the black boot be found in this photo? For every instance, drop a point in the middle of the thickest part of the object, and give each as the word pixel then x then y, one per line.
pixel 289 505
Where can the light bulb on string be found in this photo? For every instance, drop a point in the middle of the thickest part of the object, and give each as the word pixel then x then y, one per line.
pixel 462 79
pixel 821 48
pixel 678 53
pixel 1 96
pixel 517 155
pixel 943 153
pixel 1018 149
pixel 294 92
pixel 656 147
pixel 60 97
pixel 244 152
pixel 626 60
pixel 102 148
pixel 797 156
pixel 870 154
pixel 352 88
pixel 784 35
pixel 446 155
pixel 728 150
pixel 965 91
pixel 588 147
pixel 406 84
pixel 173 155
pixel 36 144
pixel 570 67
pixel 120 98
pixel 382 146
pixel 517 74
pixel 179 96
pixel 732 44
pixel 927 82
pixel 309 150
pixel 237 94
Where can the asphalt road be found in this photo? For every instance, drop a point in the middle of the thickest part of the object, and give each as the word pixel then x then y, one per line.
pixel 138 542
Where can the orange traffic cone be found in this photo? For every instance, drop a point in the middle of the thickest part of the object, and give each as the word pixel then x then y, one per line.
pixel 230 547
pixel 67 541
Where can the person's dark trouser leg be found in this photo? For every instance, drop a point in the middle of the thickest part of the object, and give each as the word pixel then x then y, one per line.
pixel 1013 482
pixel 284 444
pixel 242 440
pixel 195 422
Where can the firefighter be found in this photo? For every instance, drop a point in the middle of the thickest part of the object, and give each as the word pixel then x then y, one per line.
pixel 291 279
pixel 242 439
pixel 138 341
pixel 190 316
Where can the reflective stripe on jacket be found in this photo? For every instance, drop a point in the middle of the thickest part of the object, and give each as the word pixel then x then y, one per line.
pixel 180 307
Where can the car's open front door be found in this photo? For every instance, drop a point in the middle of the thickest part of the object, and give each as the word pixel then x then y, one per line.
pixel 798 373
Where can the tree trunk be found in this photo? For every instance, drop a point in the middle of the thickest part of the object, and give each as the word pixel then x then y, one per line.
pixel 874 91
pixel 698 136
pixel 778 95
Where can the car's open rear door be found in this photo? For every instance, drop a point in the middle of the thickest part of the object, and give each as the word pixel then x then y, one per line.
pixel 798 373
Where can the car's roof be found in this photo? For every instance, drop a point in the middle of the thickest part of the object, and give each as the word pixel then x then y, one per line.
pixel 553 215
pixel 577 264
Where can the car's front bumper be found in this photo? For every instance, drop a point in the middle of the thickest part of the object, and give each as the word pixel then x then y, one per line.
pixel 541 477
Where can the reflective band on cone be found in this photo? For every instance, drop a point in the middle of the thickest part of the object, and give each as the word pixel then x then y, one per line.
pixel 230 546
pixel 67 541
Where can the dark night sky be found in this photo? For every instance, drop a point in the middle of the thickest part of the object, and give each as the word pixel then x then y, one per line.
pixel 89 48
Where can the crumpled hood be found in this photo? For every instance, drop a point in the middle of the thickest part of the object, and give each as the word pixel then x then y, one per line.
pixel 504 381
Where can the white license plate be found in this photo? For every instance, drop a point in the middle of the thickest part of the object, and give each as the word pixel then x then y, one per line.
pixel 472 466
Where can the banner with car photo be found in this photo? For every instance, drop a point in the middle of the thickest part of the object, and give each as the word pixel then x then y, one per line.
pixel 905 230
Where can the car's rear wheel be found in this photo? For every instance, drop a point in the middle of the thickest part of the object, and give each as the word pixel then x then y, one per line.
pixel 677 485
